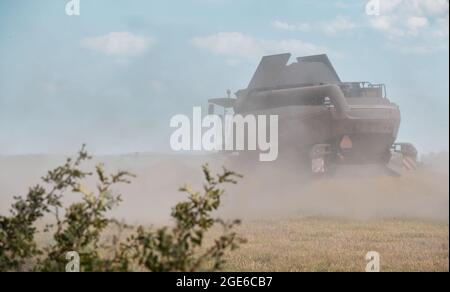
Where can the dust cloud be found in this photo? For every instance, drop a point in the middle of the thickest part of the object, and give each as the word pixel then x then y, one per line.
pixel 266 191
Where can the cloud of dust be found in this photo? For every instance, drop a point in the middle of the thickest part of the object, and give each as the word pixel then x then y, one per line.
pixel 266 191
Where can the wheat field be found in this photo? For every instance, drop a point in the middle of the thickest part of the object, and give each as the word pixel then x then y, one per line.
pixel 326 244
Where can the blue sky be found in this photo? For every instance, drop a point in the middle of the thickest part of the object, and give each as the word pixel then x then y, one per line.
pixel 114 75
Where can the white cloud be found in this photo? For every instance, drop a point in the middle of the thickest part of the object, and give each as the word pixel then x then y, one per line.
pixel 233 44
pixel 419 26
pixel 432 7
pixel 428 7
pixel 332 27
pixel 290 26
pixel 389 6
pixel 337 25
pixel 237 46
pixel 381 23
pixel 119 43
pixel 394 26
pixel 417 22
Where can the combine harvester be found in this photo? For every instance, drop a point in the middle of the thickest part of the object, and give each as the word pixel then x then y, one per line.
pixel 322 120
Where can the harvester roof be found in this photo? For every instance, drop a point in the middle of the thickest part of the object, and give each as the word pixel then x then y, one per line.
pixel 274 71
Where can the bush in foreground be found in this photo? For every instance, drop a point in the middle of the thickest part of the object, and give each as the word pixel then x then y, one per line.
pixel 79 227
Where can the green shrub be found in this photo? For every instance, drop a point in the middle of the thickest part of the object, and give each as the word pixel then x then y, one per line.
pixel 80 227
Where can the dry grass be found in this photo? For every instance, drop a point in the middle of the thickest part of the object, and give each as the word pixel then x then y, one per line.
pixel 317 244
